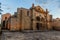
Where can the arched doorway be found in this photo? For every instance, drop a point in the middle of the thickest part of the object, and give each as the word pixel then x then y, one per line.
pixel 38 26
pixel 3 25
pixel 38 18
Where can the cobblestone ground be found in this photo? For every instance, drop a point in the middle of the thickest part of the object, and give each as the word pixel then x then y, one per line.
pixel 51 35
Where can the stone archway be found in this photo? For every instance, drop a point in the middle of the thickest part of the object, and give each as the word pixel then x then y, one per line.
pixel 38 18
pixel 38 26
pixel 3 25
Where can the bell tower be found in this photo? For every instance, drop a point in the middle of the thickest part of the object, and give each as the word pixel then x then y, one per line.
pixel 47 11
pixel 33 5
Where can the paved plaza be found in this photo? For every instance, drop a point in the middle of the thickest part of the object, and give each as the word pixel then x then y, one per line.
pixel 49 35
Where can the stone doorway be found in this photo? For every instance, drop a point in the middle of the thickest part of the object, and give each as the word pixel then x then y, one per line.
pixel 38 26
pixel 3 25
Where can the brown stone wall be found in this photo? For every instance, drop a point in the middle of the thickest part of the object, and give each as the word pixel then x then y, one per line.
pixel 24 18
pixel 14 24
pixel 56 24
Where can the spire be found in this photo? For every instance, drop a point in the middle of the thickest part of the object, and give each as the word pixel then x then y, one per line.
pixel 33 5
pixel 47 11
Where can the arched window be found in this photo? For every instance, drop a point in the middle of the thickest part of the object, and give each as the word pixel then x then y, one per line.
pixel 27 13
pixel 38 18
pixel 5 17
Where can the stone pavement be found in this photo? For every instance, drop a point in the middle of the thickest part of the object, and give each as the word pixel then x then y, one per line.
pixel 51 35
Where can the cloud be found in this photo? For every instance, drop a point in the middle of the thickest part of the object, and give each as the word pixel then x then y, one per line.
pixel 41 1
pixel 58 10
pixel 58 3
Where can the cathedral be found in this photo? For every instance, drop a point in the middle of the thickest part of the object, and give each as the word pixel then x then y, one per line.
pixel 34 18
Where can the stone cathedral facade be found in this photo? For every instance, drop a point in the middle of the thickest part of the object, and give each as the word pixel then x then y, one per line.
pixel 35 18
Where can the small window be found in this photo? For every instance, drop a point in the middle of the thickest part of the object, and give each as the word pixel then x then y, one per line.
pixel 5 17
pixel 27 13
pixel 38 8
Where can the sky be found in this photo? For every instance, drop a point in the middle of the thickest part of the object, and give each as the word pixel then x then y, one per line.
pixel 10 6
